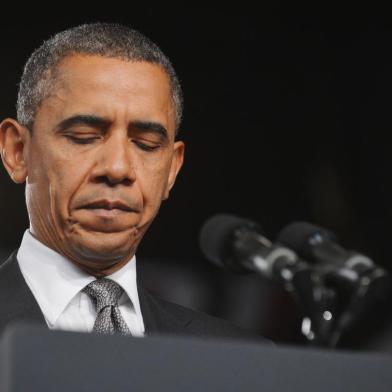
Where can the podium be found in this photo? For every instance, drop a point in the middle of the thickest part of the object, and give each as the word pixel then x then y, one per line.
pixel 36 359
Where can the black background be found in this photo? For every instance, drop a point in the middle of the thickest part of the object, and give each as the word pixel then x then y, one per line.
pixel 287 117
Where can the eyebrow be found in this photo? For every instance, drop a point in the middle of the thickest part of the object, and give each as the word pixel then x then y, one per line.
pixel 151 126
pixel 84 119
pixel 102 123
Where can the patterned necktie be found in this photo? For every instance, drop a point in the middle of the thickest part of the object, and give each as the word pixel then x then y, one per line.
pixel 105 294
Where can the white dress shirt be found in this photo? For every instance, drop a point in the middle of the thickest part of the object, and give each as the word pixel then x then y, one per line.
pixel 56 284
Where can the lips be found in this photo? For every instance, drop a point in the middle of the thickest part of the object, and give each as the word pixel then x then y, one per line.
pixel 108 205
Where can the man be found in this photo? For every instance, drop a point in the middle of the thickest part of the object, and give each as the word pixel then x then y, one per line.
pixel 99 107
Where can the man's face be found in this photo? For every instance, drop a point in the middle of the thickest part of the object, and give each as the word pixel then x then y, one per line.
pixel 101 158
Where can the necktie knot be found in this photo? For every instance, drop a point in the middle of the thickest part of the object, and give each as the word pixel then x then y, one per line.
pixel 104 292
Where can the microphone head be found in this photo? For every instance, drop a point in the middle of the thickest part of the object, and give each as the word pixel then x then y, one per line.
pixel 300 236
pixel 217 239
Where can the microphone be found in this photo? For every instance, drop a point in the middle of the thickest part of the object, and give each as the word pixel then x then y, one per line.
pixel 238 244
pixel 319 245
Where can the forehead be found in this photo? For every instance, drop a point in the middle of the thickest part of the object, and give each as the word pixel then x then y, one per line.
pixel 110 87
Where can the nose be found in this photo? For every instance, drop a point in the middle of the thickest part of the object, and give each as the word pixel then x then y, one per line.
pixel 114 161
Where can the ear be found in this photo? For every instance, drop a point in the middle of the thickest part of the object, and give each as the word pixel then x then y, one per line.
pixel 176 164
pixel 13 148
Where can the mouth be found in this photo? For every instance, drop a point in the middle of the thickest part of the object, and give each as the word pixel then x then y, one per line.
pixel 111 206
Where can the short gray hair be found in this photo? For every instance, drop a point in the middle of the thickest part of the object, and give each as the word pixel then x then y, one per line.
pixel 102 39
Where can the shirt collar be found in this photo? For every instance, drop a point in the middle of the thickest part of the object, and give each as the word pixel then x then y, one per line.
pixel 54 280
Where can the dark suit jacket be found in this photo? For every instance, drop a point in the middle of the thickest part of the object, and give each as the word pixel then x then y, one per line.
pixel 17 303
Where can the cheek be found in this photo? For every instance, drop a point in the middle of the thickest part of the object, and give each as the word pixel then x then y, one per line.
pixel 153 184
pixel 63 185
pixel 53 179
pixel 38 179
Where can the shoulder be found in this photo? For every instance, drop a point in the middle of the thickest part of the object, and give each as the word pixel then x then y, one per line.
pixel 9 269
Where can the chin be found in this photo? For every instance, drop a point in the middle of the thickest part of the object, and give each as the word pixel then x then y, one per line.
pixel 109 247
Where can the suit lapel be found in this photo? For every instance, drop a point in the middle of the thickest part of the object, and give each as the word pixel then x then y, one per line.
pixel 157 316
pixel 17 303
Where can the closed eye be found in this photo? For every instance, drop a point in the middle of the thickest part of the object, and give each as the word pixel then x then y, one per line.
pixel 82 140
pixel 146 147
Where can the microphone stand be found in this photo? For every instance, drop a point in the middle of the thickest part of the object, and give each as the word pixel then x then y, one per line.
pixel 317 301
pixel 330 303
pixel 363 293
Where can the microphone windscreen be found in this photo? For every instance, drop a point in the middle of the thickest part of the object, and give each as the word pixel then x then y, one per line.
pixel 217 235
pixel 297 235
